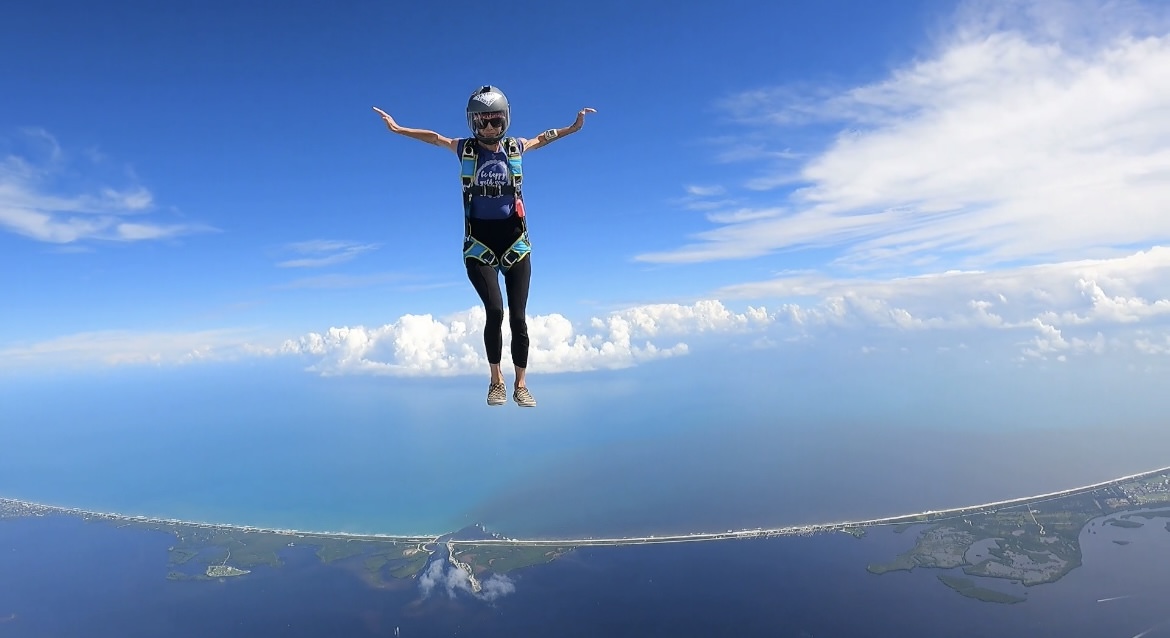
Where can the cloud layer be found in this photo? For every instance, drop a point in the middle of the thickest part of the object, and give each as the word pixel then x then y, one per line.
pixel 1119 305
pixel 120 347
pixel 1035 131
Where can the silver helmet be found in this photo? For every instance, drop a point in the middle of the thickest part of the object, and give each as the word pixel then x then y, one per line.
pixel 486 104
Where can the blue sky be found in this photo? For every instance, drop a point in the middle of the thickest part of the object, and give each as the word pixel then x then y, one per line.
pixel 851 199
pixel 211 182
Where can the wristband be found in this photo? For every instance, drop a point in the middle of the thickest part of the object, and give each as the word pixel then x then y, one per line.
pixel 550 134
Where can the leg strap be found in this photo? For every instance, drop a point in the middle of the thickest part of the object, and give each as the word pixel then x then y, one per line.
pixel 474 249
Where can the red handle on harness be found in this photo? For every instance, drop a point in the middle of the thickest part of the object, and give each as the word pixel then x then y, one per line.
pixel 519 207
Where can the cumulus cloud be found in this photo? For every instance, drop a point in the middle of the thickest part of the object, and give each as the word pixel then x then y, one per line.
pixel 1050 311
pixel 1069 307
pixel 425 345
pixel 1034 131
pixel 444 577
pixel 1053 310
pixel 41 198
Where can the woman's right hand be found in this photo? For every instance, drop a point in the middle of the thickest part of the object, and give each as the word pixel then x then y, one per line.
pixel 390 123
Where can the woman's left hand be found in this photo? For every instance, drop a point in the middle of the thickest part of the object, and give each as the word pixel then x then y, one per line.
pixel 581 116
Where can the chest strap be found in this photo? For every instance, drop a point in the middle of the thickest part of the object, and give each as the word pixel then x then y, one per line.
pixel 492 191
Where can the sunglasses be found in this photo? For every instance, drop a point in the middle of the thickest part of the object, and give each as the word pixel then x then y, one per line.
pixel 497 122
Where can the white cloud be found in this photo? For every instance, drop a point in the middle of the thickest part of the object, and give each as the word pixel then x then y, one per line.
pixel 322 252
pixel 1053 311
pixel 704 191
pixel 744 215
pixel 1091 300
pixel 33 202
pixel 439 574
pixel 704 198
pixel 1153 346
pixel 1035 131
pixel 423 345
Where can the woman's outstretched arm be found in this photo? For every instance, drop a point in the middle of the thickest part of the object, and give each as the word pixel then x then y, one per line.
pixel 557 133
pixel 422 135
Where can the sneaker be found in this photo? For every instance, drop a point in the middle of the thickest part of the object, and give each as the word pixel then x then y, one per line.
pixel 497 395
pixel 523 398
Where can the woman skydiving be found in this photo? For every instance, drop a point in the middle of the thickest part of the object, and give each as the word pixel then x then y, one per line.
pixel 496 232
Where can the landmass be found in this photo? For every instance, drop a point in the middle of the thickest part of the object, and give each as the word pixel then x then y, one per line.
pixel 1029 541
pixel 201 551
pixel 968 588
pixel 1033 542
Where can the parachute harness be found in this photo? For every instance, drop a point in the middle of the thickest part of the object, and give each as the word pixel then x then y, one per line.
pixel 472 247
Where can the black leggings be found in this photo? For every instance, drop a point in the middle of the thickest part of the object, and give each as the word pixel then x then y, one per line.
pixel 487 284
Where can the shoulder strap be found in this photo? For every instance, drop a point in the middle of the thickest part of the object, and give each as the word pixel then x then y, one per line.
pixel 468 157
pixel 512 148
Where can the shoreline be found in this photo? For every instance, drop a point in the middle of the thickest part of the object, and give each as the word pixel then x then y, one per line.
pixel 10 507
pixel 39 509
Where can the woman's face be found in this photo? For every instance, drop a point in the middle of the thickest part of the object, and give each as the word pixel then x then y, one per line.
pixel 489 122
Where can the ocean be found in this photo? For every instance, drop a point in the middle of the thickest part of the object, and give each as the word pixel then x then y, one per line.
pixel 262 444
pixel 60 576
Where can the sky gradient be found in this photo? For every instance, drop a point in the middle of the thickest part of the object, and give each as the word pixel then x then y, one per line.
pixel 924 213
pixel 211 183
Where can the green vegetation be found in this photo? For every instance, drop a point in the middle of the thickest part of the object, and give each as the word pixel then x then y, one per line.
pixel 206 548
pixel 410 566
pixel 968 588
pixel 180 555
pixel 939 546
pixel 905 562
pixel 504 558
pixel 329 552
pixel 1032 543
pixel 1149 515
pixel 400 562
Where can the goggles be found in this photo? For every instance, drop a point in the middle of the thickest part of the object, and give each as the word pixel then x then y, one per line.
pixel 482 122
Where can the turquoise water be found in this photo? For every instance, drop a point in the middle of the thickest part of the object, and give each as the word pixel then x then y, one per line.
pixel 702 448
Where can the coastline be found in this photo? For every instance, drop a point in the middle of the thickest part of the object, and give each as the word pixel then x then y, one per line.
pixel 13 507
pixel 1027 540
